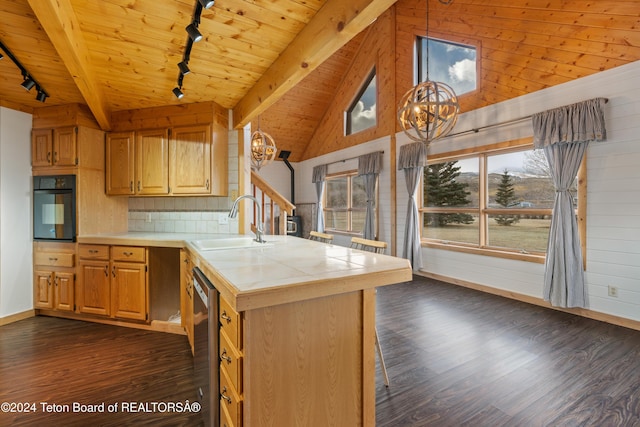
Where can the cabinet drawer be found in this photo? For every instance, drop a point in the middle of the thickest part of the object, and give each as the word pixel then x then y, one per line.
pixel 230 400
pixel 93 252
pixel 230 324
pixel 231 361
pixel 54 259
pixel 128 253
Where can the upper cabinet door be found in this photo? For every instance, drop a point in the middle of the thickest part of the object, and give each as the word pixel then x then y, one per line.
pixel 120 163
pixel 65 146
pixel 152 162
pixel 41 147
pixel 190 154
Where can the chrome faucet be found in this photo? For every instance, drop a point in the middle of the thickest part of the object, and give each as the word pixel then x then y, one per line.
pixel 234 213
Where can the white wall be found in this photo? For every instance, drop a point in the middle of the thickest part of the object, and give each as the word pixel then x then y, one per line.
pixel 613 193
pixel 306 190
pixel 16 277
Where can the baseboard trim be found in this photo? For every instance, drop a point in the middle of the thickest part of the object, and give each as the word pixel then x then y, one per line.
pixel 154 325
pixel 584 312
pixel 16 317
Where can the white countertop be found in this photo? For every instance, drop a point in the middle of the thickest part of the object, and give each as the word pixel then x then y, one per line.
pixel 286 269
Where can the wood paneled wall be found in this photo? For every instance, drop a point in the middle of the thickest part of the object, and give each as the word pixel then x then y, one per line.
pixel 375 51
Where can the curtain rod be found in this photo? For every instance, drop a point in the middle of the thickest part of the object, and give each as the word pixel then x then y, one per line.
pixel 508 122
pixel 352 158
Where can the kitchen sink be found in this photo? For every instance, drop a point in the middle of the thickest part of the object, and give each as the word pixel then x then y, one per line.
pixel 229 243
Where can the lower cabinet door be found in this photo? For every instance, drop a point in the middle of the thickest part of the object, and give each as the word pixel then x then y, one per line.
pixel 64 291
pixel 43 289
pixel 129 290
pixel 94 291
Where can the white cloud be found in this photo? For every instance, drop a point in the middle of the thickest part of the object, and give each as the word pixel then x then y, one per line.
pixel 463 71
pixel 361 118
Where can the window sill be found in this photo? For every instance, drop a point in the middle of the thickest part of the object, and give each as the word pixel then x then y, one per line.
pixel 518 256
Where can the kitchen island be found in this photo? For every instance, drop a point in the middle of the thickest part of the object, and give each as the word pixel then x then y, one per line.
pixel 305 333
pixel 297 335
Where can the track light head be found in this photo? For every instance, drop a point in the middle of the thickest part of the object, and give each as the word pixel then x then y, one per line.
pixel 178 93
pixel 28 83
pixel 193 32
pixel 184 68
pixel 207 3
pixel 42 95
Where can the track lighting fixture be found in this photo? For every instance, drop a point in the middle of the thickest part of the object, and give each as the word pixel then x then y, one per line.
pixel 42 95
pixel 206 3
pixel 193 32
pixel 178 93
pixel 184 68
pixel 28 81
pixel 194 35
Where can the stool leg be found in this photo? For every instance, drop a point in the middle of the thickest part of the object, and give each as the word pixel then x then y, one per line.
pixel 384 367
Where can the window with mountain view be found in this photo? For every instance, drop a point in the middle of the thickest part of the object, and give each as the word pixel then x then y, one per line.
pixel 501 200
pixel 451 63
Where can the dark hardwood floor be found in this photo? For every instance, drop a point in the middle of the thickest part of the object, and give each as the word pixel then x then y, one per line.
pixel 456 357
pixel 459 357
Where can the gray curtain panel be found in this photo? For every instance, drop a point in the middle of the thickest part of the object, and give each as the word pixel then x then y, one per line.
pixel 412 159
pixel 564 133
pixel 318 178
pixel 370 166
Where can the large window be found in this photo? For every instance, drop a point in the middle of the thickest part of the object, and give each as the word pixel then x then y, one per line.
pixel 361 114
pixel 451 63
pixel 345 203
pixel 497 202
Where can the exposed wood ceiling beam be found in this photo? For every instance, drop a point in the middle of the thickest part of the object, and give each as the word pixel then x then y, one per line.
pixel 331 28
pixel 63 29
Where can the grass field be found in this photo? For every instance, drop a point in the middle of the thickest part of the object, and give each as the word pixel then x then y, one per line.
pixel 528 234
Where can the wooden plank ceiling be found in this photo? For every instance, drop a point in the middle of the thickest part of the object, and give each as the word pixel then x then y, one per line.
pixel 282 60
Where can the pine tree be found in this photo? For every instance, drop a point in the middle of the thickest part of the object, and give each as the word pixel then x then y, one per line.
pixel 442 189
pixel 505 197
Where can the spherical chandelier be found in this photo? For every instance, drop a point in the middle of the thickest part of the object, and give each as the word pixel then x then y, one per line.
pixel 263 149
pixel 428 111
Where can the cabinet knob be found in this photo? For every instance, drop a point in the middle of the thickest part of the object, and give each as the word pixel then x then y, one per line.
pixel 106 270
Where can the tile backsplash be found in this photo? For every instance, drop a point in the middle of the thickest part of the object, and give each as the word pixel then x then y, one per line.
pixel 181 215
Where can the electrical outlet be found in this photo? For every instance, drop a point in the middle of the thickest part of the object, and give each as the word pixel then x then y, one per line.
pixel 147 217
pixel 234 194
pixel 613 291
pixel 223 219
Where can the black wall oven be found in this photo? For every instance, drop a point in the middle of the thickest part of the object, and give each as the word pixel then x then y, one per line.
pixel 54 208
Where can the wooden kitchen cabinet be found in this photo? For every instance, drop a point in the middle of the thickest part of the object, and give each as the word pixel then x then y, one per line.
pixel 186 294
pixel 138 163
pixel 54 276
pixel 175 161
pixel 93 287
pixel 152 162
pixel 54 147
pixel 113 281
pixel 129 290
pixel 120 156
pixel 190 166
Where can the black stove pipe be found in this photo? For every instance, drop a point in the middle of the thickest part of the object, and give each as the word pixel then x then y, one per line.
pixel 284 155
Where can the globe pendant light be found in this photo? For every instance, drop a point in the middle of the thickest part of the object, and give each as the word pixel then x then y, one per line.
pixel 429 110
pixel 263 148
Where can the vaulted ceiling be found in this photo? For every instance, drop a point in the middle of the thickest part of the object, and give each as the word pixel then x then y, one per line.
pixel 283 59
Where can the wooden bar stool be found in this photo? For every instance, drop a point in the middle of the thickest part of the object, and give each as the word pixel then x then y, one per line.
pixel 320 237
pixel 379 248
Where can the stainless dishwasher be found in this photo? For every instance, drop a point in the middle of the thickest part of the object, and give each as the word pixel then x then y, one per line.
pixel 205 347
